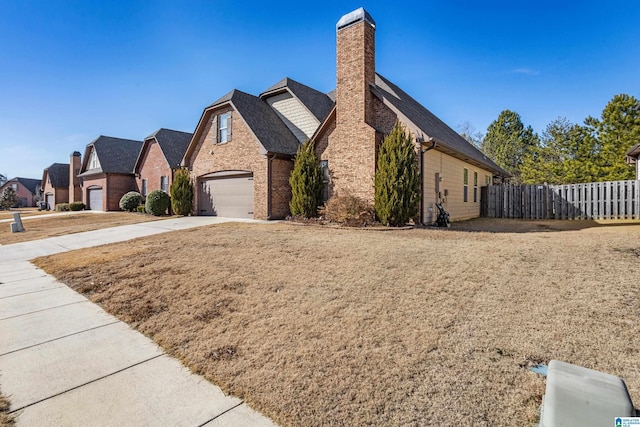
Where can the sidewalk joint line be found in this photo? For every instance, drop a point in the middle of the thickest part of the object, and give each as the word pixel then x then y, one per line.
pixel 87 383
pixel 222 413
pixel 43 309
pixel 61 337
pixel 33 292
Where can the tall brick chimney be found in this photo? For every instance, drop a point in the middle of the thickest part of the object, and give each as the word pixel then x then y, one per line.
pixel 75 192
pixel 353 143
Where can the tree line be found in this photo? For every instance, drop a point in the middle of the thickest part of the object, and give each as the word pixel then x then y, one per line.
pixel 565 152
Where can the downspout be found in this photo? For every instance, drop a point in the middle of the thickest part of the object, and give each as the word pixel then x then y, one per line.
pixel 422 152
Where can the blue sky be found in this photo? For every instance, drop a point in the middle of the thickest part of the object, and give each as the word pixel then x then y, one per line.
pixel 73 70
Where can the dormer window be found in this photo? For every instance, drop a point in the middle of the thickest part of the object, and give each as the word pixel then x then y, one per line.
pixel 94 163
pixel 222 125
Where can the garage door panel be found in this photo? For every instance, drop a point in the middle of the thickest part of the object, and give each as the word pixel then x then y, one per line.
pixel 230 197
pixel 95 199
pixel 49 200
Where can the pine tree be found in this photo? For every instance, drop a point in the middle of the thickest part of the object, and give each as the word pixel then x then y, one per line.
pixel 8 198
pixel 507 142
pixel 617 131
pixel 306 183
pixel 182 193
pixel 397 180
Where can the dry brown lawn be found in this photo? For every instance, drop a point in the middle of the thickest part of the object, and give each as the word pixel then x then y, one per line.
pixel 331 327
pixel 5 419
pixel 24 212
pixel 40 228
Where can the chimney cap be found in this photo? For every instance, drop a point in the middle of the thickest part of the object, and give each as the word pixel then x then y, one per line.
pixel 354 17
pixel 76 154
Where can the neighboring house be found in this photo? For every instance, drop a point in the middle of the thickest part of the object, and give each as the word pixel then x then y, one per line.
pixel 106 173
pixel 160 156
pixel 28 191
pixel 241 153
pixel 632 158
pixel 245 172
pixel 55 185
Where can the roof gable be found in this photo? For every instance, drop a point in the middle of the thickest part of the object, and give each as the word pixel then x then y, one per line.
pixel 33 185
pixel 172 143
pixel 270 132
pixel 430 125
pixel 116 155
pixel 58 174
pixel 319 104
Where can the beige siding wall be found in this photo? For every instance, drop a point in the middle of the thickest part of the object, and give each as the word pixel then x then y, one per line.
pixel 451 171
pixel 297 118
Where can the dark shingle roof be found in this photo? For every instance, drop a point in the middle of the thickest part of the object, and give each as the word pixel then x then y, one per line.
pixel 58 175
pixel 263 121
pixel 317 102
pixel 431 125
pixel 634 151
pixel 173 144
pixel 31 184
pixel 116 155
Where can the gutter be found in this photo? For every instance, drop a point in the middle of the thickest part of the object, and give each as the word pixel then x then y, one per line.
pixel 422 152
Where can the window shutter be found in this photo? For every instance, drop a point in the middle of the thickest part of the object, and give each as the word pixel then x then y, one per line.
pixel 229 122
pixel 214 129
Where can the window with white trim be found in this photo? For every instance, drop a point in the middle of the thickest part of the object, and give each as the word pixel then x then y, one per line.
pixel 475 187
pixel 164 183
pixel 222 125
pixel 94 163
pixel 143 190
pixel 465 190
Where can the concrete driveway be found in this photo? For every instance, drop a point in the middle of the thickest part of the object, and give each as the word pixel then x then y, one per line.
pixel 65 361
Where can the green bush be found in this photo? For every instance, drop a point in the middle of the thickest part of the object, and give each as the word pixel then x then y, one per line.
pixel 76 206
pixel 182 193
pixel 157 203
pixel 306 183
pixel 130 201
pixel 348 210
pixel 141 209
pixel 62 207
pixel 397 180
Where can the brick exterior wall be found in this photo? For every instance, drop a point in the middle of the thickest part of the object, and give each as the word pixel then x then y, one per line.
pixel 242 153
pixel 22 192
pixel 352 145
pixel 114 186
pixel 75 191
pixel 280 188
pixel 154 165
pixel 322 150
pixel 60 195
pixel 97 180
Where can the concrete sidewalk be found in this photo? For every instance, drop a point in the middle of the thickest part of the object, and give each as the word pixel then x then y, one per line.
pixel 64 361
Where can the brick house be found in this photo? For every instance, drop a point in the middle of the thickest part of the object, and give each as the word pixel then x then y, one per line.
pixel 250 167
pixel 28 191
pixel 160 156
pixel 106 173
pixel 366 109
pixel 241 153
pixel 55 185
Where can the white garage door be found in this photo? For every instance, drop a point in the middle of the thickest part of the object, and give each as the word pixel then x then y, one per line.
pixel 95 199
pixel 228 196
pixel 49 200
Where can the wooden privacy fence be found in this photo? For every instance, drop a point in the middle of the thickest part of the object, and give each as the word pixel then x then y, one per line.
pixel 594 200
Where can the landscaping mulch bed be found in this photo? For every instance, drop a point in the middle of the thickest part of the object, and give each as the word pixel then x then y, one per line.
pixel 330 327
